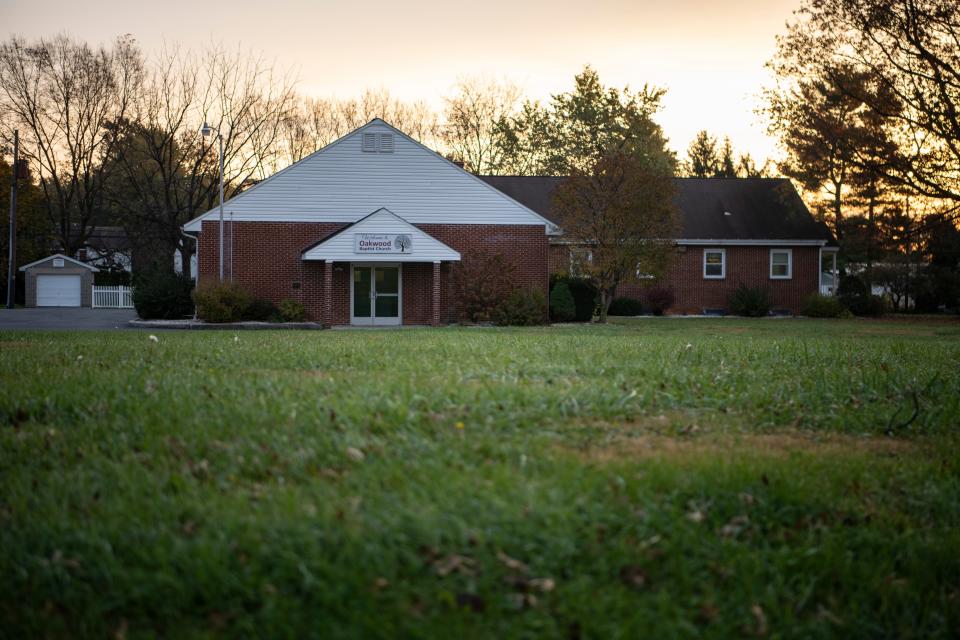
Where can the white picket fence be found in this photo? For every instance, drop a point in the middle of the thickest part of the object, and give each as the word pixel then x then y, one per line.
pixel 113 297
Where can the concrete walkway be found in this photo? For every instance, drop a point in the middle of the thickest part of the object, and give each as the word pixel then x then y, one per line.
pixel 58 318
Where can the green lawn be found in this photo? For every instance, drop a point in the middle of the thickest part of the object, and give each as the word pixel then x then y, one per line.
pixel 658 478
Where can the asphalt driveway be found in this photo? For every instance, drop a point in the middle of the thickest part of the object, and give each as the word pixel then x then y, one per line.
pixel 65 318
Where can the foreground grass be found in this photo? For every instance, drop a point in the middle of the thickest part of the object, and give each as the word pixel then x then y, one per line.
pixel 661 478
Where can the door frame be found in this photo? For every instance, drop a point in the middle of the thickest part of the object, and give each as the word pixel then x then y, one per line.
pixel 373 307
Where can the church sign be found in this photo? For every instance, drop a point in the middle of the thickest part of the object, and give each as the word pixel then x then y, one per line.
pixel 382 243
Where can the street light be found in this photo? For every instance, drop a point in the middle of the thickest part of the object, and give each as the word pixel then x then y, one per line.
pixel 206 130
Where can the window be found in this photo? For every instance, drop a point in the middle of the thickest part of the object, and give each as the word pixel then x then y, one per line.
pixel 781 264
pixel 579 259
pixel 58 262
pixel 714 264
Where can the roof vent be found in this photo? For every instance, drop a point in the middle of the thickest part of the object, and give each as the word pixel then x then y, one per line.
pixel 386 143
pixel 369 143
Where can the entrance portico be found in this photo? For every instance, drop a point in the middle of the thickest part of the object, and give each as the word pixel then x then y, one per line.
pixel 376 248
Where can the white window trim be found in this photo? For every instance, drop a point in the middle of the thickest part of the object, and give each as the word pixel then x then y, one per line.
pixel 789 253
pixel 723 263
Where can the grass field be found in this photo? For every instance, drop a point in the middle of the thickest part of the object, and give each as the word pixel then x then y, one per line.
pixel 652 478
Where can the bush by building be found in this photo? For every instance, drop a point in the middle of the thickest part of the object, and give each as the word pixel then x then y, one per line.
pixel 161 294
pixel 855 296
pixel 752 302
pixel 522 308
pixel 262 310
pixel 292 311
pixel 659 299
pixel 562 306
pixel 584 295
pixel 625 307
pixel 820 306
pixel 223 302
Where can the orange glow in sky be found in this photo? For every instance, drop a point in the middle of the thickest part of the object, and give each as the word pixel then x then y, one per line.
pixel 709 55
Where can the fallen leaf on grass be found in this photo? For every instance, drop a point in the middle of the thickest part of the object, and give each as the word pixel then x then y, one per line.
pixel 454 562
pixel 759 620
pixel 633 576
pixel 511 563
pixel 708 613
pixel 471 601
pixel 521 600
pixel 355 454
pixel 380 583
pixel 735 527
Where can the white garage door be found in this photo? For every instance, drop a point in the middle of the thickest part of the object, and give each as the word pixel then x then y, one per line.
pixel 58 291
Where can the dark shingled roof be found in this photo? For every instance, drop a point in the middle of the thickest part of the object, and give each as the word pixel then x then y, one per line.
pixel 759 208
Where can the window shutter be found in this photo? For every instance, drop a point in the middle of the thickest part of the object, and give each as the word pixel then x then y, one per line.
pixel 369 143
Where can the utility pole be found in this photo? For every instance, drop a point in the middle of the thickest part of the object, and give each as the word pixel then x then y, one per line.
pixel 12 249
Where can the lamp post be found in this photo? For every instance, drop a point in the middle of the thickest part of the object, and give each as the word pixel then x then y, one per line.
pixel 207 131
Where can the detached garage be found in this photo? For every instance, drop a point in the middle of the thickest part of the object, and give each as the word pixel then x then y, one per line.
pixel 58 281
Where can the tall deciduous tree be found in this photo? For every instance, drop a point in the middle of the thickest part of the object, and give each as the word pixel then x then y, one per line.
pixel 909 53
pixel 621 211
pixel 470 117
pixel 165 172
pixel 65 97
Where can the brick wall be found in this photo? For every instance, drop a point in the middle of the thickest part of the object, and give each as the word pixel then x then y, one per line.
pixel 266 260
pixel 747 265
pixel 750 265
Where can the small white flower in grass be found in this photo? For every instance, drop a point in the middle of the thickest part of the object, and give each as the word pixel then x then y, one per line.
pixel 355 454
pixel 689 346
pixel 79 358
pixel 153 338
pixel 236 338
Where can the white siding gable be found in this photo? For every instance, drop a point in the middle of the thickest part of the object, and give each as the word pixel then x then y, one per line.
pixel 341 246
pixel 344 183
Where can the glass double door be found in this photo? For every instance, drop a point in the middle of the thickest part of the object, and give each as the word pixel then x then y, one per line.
pixel 375 295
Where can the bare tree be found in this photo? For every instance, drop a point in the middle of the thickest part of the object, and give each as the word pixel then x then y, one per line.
pixel 169 171
pixel 316 122
pixel 471 116
pixel 66 97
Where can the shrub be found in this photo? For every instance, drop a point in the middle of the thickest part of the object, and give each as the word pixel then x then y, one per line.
pixel 161 294
pixel 749 301
pixel 522 308
pixel 855 296
pixel 625 307
pixel 820 306
pixel 562 306
pixel 292 311
pixel 659 299
pixel 484 281
pixel 584 296
pixel 224 302
pixel 262 311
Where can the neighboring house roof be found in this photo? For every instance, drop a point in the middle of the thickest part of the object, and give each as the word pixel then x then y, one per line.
pixel 759 209
pixel 374 166
pixel 108 239
pixel 59 255
pixel 420 247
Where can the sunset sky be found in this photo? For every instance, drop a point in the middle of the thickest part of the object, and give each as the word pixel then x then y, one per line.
pixel 709 55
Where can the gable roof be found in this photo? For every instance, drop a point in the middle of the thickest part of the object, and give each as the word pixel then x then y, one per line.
pixel 60 255
pixel 340 245
pixel 759 209
pixel 343 182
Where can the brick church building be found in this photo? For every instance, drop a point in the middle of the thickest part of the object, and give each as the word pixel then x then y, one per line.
pixel 367 230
